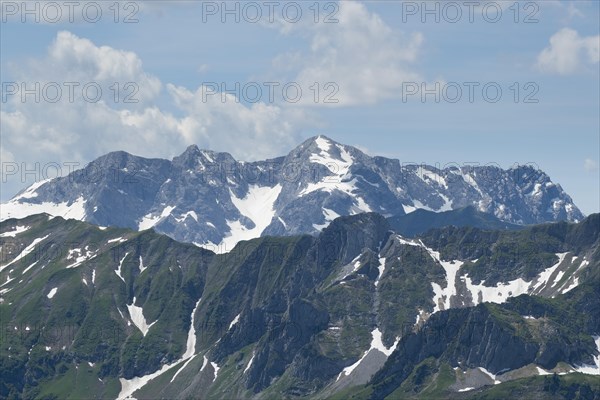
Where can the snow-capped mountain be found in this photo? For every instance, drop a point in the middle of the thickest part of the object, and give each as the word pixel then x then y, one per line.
pixel 213 200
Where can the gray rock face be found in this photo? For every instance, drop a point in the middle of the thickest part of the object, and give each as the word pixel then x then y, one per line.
pixel 213 200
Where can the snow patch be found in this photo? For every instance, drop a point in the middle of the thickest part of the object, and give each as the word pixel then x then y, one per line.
pixel 25 252
pixel 119 240
pixel 347 187
pixel 249 363
pixel 18 229
pixel 447 206
pixel 216 368
pixel 351 268
pixel 480 292
pixel 407 242
pixel 496 294
pixel 470 180
pixel 422 316
pixel 419 205
pixel 572 286
pixel 28 268
pixel 574 281
pixel 235 321
pixel 376 344
pixel 149 220
pixel 30 192
pixel 79 256
pixel 408 209
pixel 8 280
pixel 52 293
pixel 204 363
pixel 258 206
pixel 119 270
pixel 16 209
pixel 338 166
pixel 591 369
pixel 190 346
pixel 381 268
pixel 282 222
pixel 129 386
pixel 137 316
pixel 142 267
pixel 188 214
pixel 442 297
pixel 428 176
pixel 329 214
pixel 541 371
pixel 207 156
pixel 492 376
pixel 502 291
pixel 544 277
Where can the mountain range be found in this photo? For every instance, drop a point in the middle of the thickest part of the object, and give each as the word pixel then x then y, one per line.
pixel 357 311
pixel 215 201
pixel 323 274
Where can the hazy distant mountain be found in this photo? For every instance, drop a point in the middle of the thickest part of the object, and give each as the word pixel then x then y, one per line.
pixel 420 221
pixel 213 200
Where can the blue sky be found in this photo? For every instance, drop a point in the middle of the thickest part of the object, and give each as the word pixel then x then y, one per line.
pixel 371 53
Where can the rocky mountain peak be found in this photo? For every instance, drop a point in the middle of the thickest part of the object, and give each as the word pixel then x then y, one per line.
pixel 211 199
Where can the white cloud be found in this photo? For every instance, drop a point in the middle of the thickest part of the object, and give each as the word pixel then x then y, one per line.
pixel 77 59
pixel 366 58
pixel 80 131
pixel 590 165
pixel 568 51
